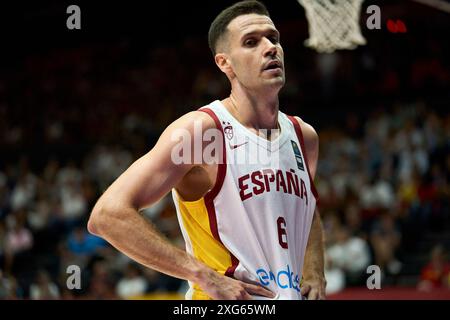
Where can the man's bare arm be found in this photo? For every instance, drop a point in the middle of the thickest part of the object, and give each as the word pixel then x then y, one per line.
pixel 116 217
pixel 314 282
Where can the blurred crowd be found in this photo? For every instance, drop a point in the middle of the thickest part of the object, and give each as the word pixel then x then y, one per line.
pixel 73 119
pixel 380 194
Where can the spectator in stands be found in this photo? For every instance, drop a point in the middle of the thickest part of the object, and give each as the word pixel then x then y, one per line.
pixel 132 284
pixel 9 289
pixel 81 242
pixel 43 288
pixel 436 274
pixel 351 254
pixel 335 277
pixel 73 202
pixel 18 241
pixel 385 239
pixel 101 284
pixel 24 191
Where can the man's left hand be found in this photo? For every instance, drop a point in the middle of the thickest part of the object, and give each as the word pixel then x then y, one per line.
pixel 314 289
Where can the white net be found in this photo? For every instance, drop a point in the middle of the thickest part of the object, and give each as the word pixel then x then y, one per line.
pixel 333 24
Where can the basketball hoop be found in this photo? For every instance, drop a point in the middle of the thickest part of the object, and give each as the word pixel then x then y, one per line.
pixel 333 24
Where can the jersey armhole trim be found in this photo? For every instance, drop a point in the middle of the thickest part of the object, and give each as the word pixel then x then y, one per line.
pixel 221 172
pixel 298 130
pixel 211 195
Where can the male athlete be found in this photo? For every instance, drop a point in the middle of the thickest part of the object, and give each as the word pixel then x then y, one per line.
pixel 251 228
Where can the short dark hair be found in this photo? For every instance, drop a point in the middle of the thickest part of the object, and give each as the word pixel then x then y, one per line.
pixel 219 26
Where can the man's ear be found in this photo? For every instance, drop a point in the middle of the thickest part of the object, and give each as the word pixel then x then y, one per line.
pixel 223 62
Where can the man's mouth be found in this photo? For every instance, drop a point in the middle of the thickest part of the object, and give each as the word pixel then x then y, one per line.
pixel 273 65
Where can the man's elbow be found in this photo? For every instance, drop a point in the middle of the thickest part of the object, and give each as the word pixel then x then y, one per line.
pixel 107 216
pixel 98 220
pixel 92 226
pixel 93 223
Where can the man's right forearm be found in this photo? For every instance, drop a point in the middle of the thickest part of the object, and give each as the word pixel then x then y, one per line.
pixel 136 237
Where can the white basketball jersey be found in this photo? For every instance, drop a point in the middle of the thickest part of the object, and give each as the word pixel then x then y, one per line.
pixel 255 222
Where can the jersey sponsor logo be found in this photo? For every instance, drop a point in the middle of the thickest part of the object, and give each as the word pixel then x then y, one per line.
pixel 268 180
pixel 284 278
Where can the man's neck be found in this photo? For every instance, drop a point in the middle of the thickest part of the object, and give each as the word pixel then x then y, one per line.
pixel 254 111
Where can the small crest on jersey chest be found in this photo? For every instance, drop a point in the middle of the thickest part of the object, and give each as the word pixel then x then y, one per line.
pixel 298 155
pixel 228 130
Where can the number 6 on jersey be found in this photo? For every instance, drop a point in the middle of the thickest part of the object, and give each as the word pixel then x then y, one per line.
pixel 282 235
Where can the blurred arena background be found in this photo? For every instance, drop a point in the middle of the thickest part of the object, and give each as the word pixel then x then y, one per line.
pixel 77 107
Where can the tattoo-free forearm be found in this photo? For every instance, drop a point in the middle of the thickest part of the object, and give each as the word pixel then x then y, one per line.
pixel 313 267
pixel 136 237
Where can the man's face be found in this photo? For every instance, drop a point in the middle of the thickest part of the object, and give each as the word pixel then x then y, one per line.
pixel 255 54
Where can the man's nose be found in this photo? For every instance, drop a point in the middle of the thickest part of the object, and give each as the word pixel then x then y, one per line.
pixel 271 48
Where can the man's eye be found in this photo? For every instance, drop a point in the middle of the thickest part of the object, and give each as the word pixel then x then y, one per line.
pixel 250 42
pixel 274 39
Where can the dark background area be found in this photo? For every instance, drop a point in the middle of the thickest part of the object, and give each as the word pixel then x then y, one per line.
pixel 38 28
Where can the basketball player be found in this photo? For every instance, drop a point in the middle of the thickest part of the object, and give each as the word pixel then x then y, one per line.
pixel 251 229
